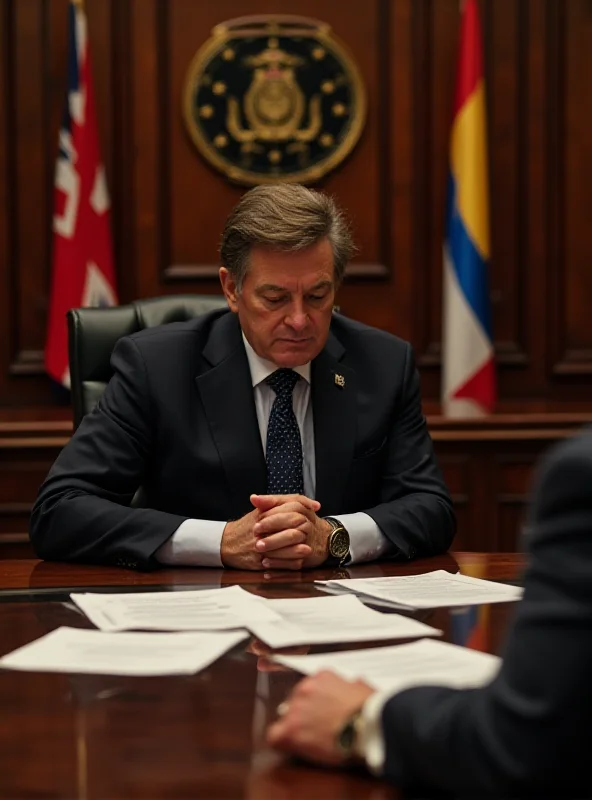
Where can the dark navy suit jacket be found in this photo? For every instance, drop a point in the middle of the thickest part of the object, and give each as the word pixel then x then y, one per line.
pixel 529 733
pixel 178 418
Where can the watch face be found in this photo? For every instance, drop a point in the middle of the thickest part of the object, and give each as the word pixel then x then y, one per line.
pixel 339 543
pixel 346 737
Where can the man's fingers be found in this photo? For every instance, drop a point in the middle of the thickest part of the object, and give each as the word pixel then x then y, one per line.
pixel 293 507
pixel 280 522
pixel 283 563
pixel 319 681
pixel 291 537
pixel 270 563
pixel 275 733
pixel 266 501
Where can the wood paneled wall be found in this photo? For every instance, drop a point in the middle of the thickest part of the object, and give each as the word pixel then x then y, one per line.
pixel 169 205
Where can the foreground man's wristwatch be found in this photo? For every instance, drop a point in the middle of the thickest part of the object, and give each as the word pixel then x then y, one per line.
pixel 338 544
pixel 349 738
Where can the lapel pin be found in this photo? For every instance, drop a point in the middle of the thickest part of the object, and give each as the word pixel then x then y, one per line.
pixel 339 380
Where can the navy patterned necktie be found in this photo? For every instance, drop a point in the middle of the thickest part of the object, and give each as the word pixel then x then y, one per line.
pixel 283 451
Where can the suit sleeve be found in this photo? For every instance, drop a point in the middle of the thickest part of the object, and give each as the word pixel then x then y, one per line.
pixel 82 511
pixel 416 512
pixel 527 734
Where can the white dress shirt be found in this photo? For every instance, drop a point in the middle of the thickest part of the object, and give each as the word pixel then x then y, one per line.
pixel 196 542
pixel 371 744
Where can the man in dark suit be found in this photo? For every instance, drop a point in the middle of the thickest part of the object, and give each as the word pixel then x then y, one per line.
pixel 276 434
pixel 528 733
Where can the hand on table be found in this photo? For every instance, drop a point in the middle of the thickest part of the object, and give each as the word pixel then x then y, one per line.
pixel 287 518
pixel 316 711
pixel 275 535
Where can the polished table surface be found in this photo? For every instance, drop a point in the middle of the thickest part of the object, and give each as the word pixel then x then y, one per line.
pixel 202 736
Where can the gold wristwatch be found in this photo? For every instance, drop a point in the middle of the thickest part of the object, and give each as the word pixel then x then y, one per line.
pixel 338 544
pixel 349 739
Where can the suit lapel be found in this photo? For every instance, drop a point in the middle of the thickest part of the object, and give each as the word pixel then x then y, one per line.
pixel 227 395
pixel 334 419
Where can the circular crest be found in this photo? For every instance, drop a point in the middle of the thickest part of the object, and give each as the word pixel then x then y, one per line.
pixel 274 98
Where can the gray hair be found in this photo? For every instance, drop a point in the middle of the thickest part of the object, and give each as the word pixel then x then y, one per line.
pixel 286 217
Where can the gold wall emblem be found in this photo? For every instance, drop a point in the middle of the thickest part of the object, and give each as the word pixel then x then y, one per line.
pixel 274 98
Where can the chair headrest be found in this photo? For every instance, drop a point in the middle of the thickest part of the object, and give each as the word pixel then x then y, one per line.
pixel 94 332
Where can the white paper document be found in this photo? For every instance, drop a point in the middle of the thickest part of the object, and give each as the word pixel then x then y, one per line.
pixel 278 623
pixel 438 589
pixel 206 610
pixel 100 653
pixel 331 620
pixel 404 666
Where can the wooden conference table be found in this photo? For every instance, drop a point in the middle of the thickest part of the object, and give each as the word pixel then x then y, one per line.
pixel 107 737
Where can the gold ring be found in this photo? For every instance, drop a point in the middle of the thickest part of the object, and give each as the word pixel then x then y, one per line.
pixel 282 709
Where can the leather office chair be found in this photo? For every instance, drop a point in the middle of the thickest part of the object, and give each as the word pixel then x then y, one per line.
pixel 93 333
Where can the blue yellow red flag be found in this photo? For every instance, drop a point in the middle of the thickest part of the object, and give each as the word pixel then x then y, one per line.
pixel 468 373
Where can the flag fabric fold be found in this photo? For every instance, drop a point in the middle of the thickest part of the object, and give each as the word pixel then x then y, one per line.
pixel 82 262
pixel 468 372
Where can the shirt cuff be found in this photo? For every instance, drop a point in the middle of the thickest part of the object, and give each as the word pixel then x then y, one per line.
pixel 371 744
pixel 195 543
pixel 366 541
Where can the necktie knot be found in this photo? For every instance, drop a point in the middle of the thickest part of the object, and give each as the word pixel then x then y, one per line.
pixel 283 381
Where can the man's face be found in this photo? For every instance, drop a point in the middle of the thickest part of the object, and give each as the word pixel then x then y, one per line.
pixel 285 303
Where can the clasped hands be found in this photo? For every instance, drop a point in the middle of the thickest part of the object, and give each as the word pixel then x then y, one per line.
pixel 282 532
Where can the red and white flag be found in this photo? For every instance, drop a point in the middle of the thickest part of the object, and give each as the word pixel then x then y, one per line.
pixel 82 268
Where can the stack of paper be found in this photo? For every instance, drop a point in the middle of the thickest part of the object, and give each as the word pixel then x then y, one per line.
pixel 439 589
pixel 278 623
pixel 99 653
pixel 424 663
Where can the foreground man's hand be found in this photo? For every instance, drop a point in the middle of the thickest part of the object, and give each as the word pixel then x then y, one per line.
pixel 316 711
pixel 284 519
pixel 283 549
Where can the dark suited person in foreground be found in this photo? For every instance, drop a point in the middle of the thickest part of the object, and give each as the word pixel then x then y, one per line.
pixel 248 427
pixel 528 733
